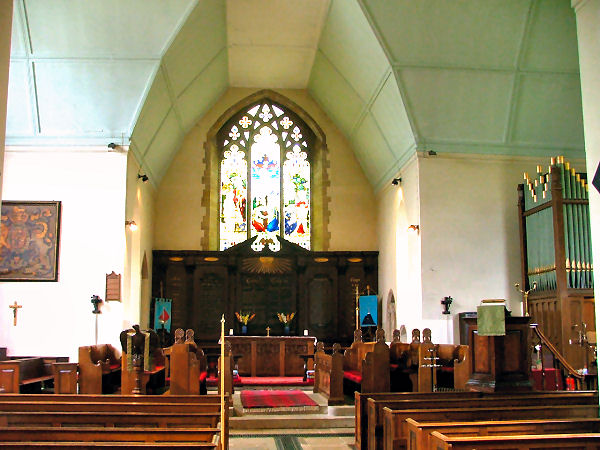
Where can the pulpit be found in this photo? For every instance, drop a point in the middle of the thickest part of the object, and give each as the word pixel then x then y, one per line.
pixel 500 363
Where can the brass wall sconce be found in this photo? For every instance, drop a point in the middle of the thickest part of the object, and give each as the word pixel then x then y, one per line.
pixel 413 228
pixel 144 177
pixel 396 181
pixel 131 225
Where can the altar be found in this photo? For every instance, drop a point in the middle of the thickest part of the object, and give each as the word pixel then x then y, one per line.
pixel 271 356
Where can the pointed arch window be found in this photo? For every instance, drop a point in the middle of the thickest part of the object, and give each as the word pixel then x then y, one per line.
pixel 265 177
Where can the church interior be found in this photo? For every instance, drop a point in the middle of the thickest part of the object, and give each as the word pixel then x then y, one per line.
pixel 332 171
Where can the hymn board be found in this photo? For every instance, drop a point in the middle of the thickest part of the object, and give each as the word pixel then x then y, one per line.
pixel 318 286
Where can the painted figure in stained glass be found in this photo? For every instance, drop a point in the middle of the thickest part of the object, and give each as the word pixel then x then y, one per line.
pixel 277 179
pixel 296 176
pixel 233 198
pixel 265 154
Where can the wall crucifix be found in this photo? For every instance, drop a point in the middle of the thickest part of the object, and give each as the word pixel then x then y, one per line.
pixel 15 307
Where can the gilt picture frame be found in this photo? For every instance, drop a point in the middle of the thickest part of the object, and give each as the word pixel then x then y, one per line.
pixel 29 240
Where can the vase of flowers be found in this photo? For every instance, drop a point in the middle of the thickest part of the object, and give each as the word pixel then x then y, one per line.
pixel 244 319
pixel 285 319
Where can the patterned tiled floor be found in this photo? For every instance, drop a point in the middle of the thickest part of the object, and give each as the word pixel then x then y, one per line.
pixel 292 441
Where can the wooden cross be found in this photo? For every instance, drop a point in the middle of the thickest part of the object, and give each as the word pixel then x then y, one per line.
pixel 15 307
pixel 268 330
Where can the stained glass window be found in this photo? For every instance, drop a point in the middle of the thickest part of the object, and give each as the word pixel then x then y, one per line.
pixel 265 178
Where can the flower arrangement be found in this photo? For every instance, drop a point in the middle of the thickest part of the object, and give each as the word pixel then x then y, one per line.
pixel 244 318
pixel 285 318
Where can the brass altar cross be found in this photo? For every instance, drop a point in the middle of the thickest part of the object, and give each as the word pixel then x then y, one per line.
pixel 268 330
pixel 15 307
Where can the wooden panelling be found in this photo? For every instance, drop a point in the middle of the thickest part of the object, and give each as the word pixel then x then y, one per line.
pixel 318 286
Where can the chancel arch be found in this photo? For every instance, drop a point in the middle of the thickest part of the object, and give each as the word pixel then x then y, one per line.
pixel 237 131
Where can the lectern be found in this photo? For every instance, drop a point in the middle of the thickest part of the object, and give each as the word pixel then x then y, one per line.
pixel 500 363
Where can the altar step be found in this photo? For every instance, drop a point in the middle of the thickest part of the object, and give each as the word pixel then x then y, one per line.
pixel 327 417
pixel 338 419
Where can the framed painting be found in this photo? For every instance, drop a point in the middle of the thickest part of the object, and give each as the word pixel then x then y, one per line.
pixel 29 239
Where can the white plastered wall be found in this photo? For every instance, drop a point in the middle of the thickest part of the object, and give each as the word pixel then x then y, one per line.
pixel 56 317
pixel 470 234
pixel 139 208
pixel 399 249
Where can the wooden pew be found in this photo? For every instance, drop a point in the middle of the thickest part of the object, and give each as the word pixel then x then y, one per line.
pixel 367 373
pixel 145 412
pixel 96 398
pixel 329 374
pixel 109 419
pixel 140 407
pixel 361 416
pixel 65 377
pixel 99 369
pixel 418 432
pixel 186 367
pixel 102 434
pixel 456 364
pixel 113 410
pixel 404 363
pixel 394 421
pixel 375 406
pixel 17 375
pixel 522 442
pixel 107 445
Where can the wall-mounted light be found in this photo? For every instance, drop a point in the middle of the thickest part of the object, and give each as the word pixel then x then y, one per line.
pixel 131 225
pixel 396 181
pixel 143 177
pixel 413 228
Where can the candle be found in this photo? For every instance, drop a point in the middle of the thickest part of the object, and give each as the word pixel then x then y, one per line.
pixel 231 332
pixel 305 332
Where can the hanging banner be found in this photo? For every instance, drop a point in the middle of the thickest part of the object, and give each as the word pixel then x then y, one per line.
pixel 162 314
pixel 368 310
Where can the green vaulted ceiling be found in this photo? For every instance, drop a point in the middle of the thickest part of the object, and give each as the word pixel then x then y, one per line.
pixel 396 76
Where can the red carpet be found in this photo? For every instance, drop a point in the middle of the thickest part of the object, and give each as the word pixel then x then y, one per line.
pixel 272 400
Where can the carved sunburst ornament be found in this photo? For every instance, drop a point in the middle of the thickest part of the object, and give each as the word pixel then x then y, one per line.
pixel 267 264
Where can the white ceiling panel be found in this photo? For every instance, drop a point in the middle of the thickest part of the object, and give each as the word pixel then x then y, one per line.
pixel 552 41
pixel 272 43
pixel 350 45
pixel 270 67
pixel 108 28
pixel 549 111
pixel 389 112
pixel 201 39
pixel 372 149
pixel 451 33
pixel 203 92
pixel 89 98
pixel 459 105
pixel 275 22
pixel 18 41
pixel 19 118
pixel 163 147
pixel 155 109
pixel 335 94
